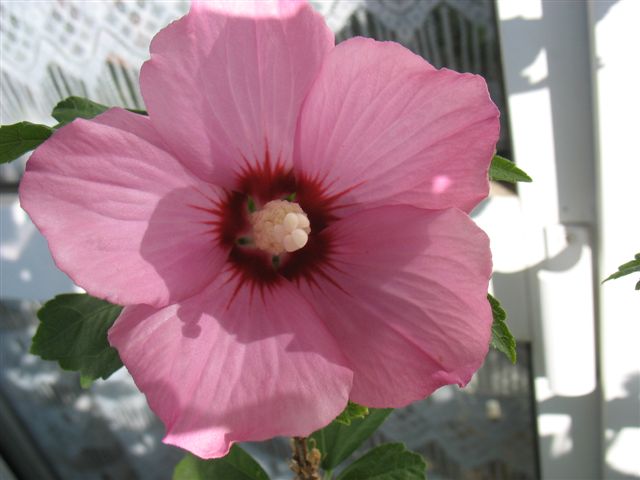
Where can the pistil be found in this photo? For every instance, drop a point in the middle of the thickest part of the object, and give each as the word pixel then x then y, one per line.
pixel 280 226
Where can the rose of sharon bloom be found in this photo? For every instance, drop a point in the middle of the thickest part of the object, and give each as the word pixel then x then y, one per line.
pixel 369 285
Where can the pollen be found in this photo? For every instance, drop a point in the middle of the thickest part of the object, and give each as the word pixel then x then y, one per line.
pixel 280 226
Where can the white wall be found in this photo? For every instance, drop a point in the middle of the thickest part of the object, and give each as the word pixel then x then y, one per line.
pixel 571 75
pixel 616 72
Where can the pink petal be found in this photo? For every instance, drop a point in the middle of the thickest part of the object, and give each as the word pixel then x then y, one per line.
pixel 234 364
pixel 123 217
pixel 225 83
pixel 383 125
pixel 405 295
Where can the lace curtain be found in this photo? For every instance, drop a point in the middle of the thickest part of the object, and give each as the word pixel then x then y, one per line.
pixel 54 49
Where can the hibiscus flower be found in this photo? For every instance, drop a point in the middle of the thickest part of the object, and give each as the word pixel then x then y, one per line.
pixel 288 228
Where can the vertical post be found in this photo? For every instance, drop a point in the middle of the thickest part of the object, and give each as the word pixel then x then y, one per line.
pixel 547 75
pixel 614 39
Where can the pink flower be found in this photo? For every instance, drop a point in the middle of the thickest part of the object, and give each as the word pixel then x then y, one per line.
pixel 384 299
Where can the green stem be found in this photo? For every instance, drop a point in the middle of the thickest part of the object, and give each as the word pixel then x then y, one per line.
pixel 328 475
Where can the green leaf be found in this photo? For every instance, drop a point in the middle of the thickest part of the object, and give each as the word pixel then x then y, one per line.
pixel 391 461
pixel 337 441
pixel 352 412
pixel 138 111
pixel 627 268
pixel 73 331
pixel 505 170
pixel 71 108
pixel 85 380
pixel 501 337
pixel 236 465
pixel 20 138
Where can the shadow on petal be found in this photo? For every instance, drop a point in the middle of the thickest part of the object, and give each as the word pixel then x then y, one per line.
pixel 210 432
pixel 181 241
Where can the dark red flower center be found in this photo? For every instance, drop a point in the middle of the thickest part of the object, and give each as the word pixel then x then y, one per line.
pixel 261 185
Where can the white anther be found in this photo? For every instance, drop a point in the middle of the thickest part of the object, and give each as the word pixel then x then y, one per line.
pixel 280 226
pixel 289 244
pixel 279 232
pixel 303 221
pixel 290 222
pixel 300 237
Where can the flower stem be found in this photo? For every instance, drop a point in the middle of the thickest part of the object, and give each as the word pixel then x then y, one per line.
pixel 305 461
